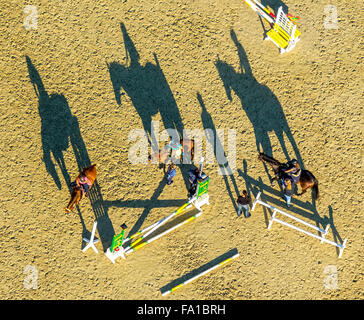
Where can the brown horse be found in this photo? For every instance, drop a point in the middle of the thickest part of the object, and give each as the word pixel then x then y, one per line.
pixel 76 195
pixel 306 181
pixel 162 156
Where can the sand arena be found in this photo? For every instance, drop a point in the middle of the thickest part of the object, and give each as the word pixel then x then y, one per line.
pixel 74 87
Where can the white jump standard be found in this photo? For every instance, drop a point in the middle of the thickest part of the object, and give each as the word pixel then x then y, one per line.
pixel 91 242
pixel 283 32
pixel 120 251
pixel 323 232
pixel 198 200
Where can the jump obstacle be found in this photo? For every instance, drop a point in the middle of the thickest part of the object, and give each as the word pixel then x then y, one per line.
pixel 322 231
pixel 91 242
pixel 200 198
pixel 164 293
pixel 283 32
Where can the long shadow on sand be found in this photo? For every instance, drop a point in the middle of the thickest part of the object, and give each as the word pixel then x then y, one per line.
pixel 149 91
pixel 259 103
pixel 218 148
pixel 59 130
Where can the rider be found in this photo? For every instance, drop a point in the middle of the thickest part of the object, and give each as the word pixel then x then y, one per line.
pixel 292 171
pixel 83 182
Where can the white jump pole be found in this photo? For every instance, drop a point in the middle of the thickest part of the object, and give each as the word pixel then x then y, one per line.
pixel 132 249
pixel 151 226
pixel 260 9
pixel 323 232
pixel 91 242
pixel 286 214
pixel 121 252
pixel 200 274
pixel 158 224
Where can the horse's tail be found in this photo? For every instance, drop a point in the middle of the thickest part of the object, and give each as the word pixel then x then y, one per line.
pixel 270 160
pixel 315 188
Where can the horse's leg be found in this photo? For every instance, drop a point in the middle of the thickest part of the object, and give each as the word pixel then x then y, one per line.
pixel 70 205
pixel 304 189
pixel 78 199
pixel 75 199
pixel 275 178
pixel 187 154
pixel 192 149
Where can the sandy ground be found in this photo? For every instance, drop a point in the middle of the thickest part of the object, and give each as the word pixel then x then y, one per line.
pixel 73 89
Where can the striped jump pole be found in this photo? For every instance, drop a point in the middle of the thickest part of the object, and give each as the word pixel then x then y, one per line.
pixel 158 224
pixel 120 251
pixel 135 248
pixel 178 211
pixel 323 232
pixel 261 10
pixel 200 275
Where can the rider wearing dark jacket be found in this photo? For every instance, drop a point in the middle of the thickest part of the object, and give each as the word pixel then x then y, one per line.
pixel 293 171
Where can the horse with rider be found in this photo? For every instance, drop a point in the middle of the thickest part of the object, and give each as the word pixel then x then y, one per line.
pixel 290 174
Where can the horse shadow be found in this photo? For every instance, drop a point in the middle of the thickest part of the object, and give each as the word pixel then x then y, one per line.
pixel 147 87
pixel 149 91
pixel 56 123
pixel 59 130
pixel 261 106
pixel 217 146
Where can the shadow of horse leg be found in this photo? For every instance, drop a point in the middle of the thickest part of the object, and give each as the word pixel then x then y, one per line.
pixel 273 180
pixel 301 193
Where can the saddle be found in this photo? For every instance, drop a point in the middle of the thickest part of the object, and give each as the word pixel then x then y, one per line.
pixel 83 187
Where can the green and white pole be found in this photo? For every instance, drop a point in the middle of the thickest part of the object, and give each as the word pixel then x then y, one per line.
pixel 134 248
pixel 158 224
